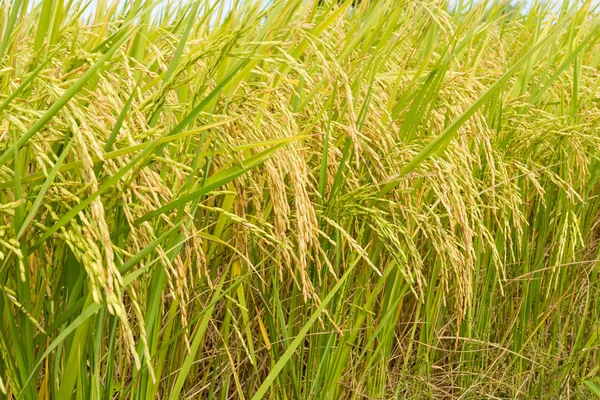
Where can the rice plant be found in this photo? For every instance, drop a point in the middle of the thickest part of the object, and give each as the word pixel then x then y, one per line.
pixel 299 199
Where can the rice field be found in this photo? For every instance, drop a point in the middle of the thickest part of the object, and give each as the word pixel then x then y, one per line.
pixel 299 199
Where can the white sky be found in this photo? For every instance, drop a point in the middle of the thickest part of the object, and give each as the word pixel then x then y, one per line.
pixel 556 3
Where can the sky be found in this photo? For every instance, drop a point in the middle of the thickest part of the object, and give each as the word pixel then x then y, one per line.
pixel 555 3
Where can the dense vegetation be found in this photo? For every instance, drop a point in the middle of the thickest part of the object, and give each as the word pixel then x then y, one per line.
pixel 299 200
